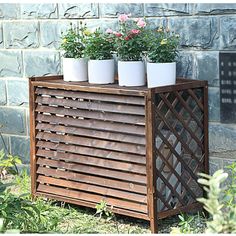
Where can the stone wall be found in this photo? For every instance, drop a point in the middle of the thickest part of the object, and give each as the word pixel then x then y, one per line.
pixel 30 36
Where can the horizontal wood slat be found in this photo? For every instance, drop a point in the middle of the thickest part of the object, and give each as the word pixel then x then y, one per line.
pixel 94 170
pixel 93 198
pixel 95 161
pixel 106 191
pixel 105 107
pixel 97 115
pixel 91 142
pixel 91 96
pixel 94 180
pixel 93 152
pixel 93 124
pixel 126 138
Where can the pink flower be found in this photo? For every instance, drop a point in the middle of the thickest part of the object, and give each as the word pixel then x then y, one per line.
pixel 123 18
pixel 141 23
pixel 117 34
pixel 135 31
pixel 127 38
pixel 109 31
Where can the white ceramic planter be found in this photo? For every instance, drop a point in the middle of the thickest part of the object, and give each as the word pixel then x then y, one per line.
pixel 75 69
pixel 161 74
pixel 101 71
pixel 131 73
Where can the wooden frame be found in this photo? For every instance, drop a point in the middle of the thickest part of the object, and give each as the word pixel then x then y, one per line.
pixel 139 149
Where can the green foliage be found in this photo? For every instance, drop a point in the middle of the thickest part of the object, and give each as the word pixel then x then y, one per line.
pixel 162 45
pixel 129 40
pixel 223 215
pixel 187 224
pixel 99 45
pixel 103 210
pixel 73 42
pixel 8 163
pixel 230 193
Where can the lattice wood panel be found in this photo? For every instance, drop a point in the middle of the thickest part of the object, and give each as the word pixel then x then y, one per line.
pixel 179 150
pixel 91 147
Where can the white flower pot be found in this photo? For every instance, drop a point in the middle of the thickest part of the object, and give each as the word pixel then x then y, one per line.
pixel 75 69
pixel 161 74
pixel 101 71
pixel 131 73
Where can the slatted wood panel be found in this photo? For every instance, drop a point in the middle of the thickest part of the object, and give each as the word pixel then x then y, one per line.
pixel 92 146
pixel 138 149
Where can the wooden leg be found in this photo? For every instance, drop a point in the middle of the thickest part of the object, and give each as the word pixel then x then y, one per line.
pixel 153 226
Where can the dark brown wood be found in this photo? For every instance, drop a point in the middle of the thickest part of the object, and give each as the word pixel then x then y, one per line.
pixel 92 124
pixel 93 161
pixel 151 162
pixel 91 142
pixel 95 170
pixel 92 189
pixel 94 180
pixel 104 135
pixel 91 96
pixel 138 207
pixel 138 215
pixel 105 107
pixel 33 166
pixel 99 115
pixel 139 149
pixel 93 152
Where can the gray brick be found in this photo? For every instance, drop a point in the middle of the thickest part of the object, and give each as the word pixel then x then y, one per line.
pixel 10 63
pixel 215 164
pixel 228 33
pixel 17 91
pixel 214 104
pixel 166 9
pixel 113 10
pixel 50 33
pixel 41 63
pixel 82 10
pixel 12 121
pixel 9 11
pixel 4 143
pixel 39 11
pixel 21 34
pixel 214 8
pixel 102 23
pixel 156 22
pixel 1 36
pixel 222 137
pixel 3 94
pixel 184 66
pixel 20 146
pixel 196 32
pixel 207 67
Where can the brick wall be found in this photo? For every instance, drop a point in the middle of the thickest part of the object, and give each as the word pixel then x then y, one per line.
pixel 30 36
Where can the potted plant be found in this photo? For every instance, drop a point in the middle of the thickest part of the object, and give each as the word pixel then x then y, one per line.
pixel 130 44
pixel 99 49
pixel 161 55
pixel 75 65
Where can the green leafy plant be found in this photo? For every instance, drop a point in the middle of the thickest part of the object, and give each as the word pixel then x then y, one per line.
pixel 230 192
pixel 8 163
pixel 162 45
pixel 103 210
pixel 129 39
pixel 99 45
pixel 73 41
pixel 223 215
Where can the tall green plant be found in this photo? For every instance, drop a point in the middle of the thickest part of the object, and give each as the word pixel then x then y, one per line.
pixel 223 216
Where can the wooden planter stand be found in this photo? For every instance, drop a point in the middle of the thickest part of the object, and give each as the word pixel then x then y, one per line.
pixel 139 149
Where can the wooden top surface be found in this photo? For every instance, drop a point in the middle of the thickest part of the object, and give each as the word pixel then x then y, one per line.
pixel 58 82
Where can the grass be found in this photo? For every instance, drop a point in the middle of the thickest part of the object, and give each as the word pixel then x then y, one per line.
pixel 60 217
